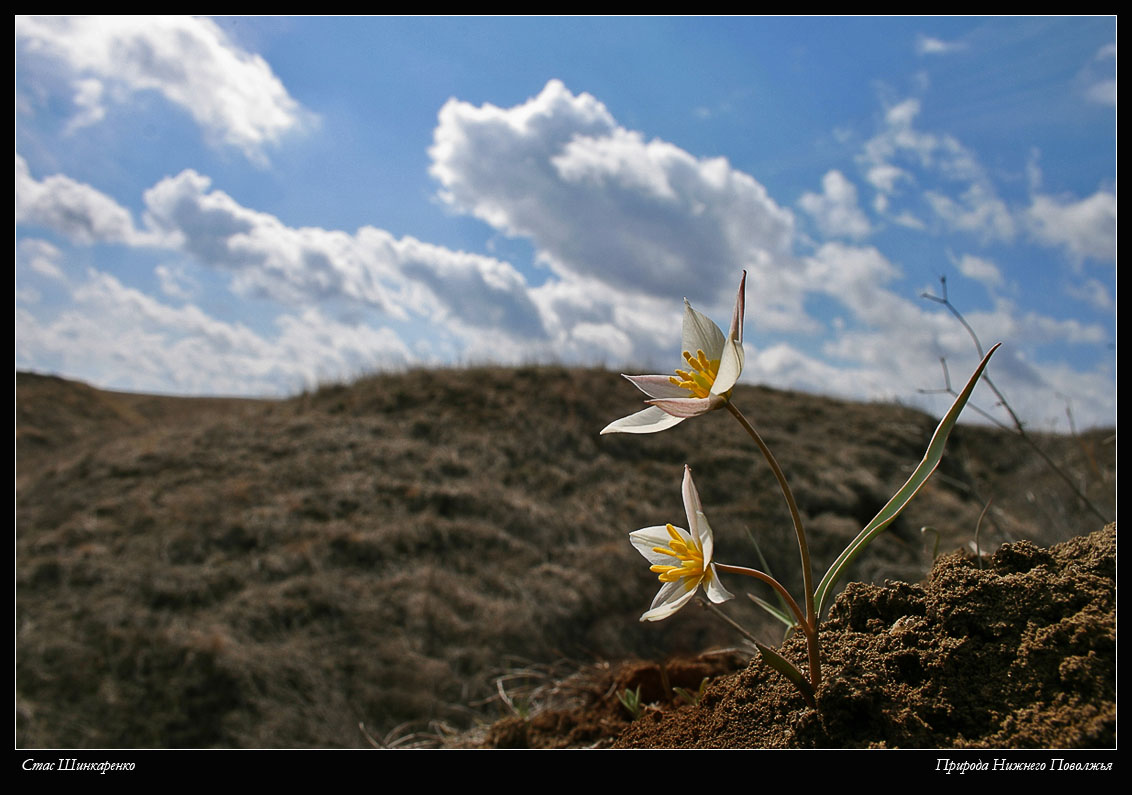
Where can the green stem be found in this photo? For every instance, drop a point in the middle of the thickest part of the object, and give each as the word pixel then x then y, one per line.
pixel 809 628
pixel 810 623
pixel 773 583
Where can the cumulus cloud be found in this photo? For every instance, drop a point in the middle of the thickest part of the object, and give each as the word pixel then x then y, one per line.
pixel 981 270
pixel 885 176
pixel 41 257
pixel 401 278
pixel 835 209
pixel 886 344
pixel 977 211
pixel 233 95
pixel 900 158
pixel 174 282
pixel 73 209
pixel 119 336
pixel 600 201
pixel 1085 228
pixel 1093 293
pixel 624 224
pixel 370 268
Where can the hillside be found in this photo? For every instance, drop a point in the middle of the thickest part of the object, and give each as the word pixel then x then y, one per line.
pixel 259 573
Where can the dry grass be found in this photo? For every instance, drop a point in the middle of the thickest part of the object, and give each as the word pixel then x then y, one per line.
pixel 255 573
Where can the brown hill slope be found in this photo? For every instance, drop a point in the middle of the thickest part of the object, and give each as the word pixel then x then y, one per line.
pixel 273 574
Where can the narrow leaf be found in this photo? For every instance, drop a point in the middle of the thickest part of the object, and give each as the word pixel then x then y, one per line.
pixel 782 612
pixel 784 667
pixel 890 511
pixel 782 616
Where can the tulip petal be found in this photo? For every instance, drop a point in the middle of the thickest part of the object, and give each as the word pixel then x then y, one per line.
pixel 736 331
pixel 730 366
pixel 699 333
pixel 647 539
pixel 650 420
pixel 714 589
pixel 692 505
pixel 687 407
pixel 656 386
pixel 704 537
pixel 669 599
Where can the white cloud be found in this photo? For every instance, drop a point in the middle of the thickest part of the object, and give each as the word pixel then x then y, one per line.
pixel 928 45
pixel 599 200
pixel 977 211
pixel 835 209
pixel 900 157
pixel 41 257
pixel 981 270
pixel 88 99
pixel 72 208
pixel 887 346
pixel 1102 92
pixel 119 337
pixel 1100 77
pixel 233 95
pixel 370 268
pixel 1093 293
pixel 885 176
pixel 1085 228
pixel 174 282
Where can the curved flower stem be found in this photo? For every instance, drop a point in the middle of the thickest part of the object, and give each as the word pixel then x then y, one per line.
pixel 809 628
pixel 773 583
pixel 810 623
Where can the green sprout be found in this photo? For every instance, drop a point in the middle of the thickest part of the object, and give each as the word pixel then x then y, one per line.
pixel 688 696
pixel 631 701
pixel 683 559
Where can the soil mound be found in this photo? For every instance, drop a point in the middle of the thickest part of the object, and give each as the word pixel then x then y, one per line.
pixel 1019 652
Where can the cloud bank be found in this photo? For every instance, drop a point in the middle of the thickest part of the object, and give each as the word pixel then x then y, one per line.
pixel 623 226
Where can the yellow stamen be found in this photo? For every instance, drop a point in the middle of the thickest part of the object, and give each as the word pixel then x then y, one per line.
pixel 700 378
pixel 689 555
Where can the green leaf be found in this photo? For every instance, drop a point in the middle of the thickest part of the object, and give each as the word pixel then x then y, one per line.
pixel 781 615
pixel 784 667
pixel 907 491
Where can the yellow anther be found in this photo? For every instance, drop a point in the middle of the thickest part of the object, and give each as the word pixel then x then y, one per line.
pixel 700 378
pixel 686 552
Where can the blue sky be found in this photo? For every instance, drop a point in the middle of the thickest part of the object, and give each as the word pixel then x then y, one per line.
pixel 252 206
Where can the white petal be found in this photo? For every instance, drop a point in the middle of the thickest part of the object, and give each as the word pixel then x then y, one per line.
pixel 691 497
pixel 736 330
pixel 650 420
pixel 687 407
pixel 701 530
pixel 730 366
pixel 714 588
pixel 656 386
pixel 668 600
pixel 701 334
pixel 648 537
